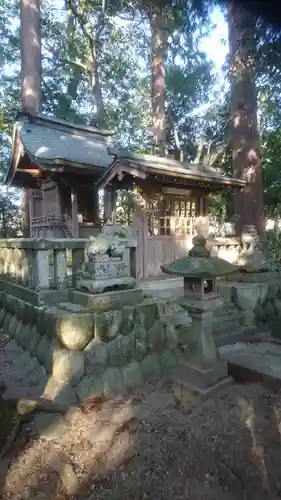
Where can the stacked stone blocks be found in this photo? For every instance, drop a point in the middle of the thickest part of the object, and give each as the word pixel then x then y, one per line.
pixel 95 351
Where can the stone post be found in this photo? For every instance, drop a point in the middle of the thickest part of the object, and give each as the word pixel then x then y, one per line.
pixel 133 262
pixel 60 268
pixel 77 260
pixel 201 328
pixel 42 269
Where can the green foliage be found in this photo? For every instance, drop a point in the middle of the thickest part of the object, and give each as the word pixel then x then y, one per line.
pixel 121 37
pixel 272 248
pixel 10 216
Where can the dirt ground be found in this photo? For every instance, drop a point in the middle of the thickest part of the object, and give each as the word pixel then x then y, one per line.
pixel 148 445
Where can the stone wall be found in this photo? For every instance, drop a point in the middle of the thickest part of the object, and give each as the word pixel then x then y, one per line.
pixel 256 295
pixel 97 351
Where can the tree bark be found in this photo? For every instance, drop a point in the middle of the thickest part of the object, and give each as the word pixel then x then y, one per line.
pixel 30 78
pixel 92 36
pixel 245 139
pixel 158 28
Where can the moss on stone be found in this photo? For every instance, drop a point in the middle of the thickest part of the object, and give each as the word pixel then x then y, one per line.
pixel 131 374
pixel 167 361
pixel 120 350
pixel 156 336
pixel 13 326
pixel 150 367
pixel 112 381
pixel 139 343
pixel 89 387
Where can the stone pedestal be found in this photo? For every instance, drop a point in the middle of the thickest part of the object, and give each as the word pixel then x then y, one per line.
pixel 107 274
pixel 107 262
pixel 202 368
pixel 105 285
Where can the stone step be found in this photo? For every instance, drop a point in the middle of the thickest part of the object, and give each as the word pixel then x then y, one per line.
pixel 237 335
pixel 228 310
pixel 106 300
pixel 220 325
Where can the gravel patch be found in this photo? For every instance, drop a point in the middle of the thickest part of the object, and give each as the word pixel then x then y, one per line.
pixel 225 448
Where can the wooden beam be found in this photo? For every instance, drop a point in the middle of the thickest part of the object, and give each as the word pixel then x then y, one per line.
pixel 33 171
pixel 176 191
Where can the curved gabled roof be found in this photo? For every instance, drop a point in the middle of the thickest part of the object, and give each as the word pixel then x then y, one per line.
pixel 45 143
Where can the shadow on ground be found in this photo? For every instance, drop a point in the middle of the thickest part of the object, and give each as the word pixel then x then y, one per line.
pixel 151 444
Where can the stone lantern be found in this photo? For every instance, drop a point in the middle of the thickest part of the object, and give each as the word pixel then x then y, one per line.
pixel 201 363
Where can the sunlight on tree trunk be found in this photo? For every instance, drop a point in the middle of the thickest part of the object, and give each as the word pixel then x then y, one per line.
pixel 30 77
pixel 158 28
pixel 245 139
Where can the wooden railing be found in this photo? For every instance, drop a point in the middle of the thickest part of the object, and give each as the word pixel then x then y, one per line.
pixel 51 226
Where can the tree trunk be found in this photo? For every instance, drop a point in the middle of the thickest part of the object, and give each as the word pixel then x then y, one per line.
pixel 92 36
pixel 245 139
pixel 30 77
pixel 158 28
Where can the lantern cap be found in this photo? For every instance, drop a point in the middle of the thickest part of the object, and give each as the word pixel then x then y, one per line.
pixel 199 264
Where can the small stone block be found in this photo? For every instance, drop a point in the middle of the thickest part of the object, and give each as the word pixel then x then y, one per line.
pixel 60 393
pixel 2 316
pixel 6 322
pixel 50 426
pixel 42 347
pixel 132 375
pixel 96 356
pixel 199 376
pixel 107 325
pixel 172 337
pixel 25 338
pixel 167 361
pixel 13 326
pixel 112 381
pixel 120 350
pixel 70 307
pixel 68 366
pixel 75 330
pixel 150 367
pixel 89 387
pixel 139 343
pixel 157 336
pixel 34 342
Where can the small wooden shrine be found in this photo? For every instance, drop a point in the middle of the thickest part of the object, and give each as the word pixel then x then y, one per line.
pixel 65 166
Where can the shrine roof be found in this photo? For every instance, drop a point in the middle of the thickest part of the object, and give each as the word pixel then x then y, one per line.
pixel 42 143
pixel 52 143
pixel 143 166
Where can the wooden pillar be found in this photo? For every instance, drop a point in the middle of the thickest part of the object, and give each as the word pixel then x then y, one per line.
pixel 106 204
pixel 109 203
pixel 113 204
pixel 31 209
pixel 30 78
pixel 145 244
pixel 74 214
pixel 202 206
pixel 96 206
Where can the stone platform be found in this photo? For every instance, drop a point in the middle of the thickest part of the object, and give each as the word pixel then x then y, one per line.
pixel 257 360
pixel 90 344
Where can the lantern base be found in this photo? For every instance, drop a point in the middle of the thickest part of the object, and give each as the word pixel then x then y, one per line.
pixel 210 303
pixel 185 387
pixel 200 376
